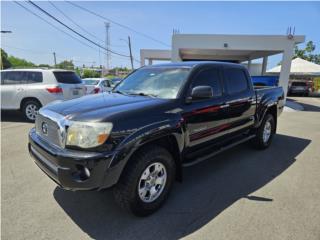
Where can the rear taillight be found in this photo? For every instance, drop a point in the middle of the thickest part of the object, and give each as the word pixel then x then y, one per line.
pixel 96 90
pixel 54 90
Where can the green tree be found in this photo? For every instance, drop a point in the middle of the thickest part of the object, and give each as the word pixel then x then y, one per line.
pixel 307 53
pixel 66 65
pixel 4 60
pixel 20 62
pixel 42 65
pixel 87 73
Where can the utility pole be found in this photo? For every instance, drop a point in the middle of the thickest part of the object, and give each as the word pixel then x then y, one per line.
pixel 131 58
pixel 55 60
pixel 107 43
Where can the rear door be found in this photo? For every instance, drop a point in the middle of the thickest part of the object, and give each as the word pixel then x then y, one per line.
pixel 206 119
pixel 240 98
pixel 13 89
pixel 71 84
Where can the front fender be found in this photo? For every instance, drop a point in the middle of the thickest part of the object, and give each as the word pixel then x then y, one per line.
pixel 169 127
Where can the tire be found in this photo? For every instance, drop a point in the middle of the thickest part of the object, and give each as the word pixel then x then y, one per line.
pixel 261 141
pixel 29 109
pixel 126 192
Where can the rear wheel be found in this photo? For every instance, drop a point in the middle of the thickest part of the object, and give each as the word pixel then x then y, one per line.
pixel 146 181
pixel 265 133
pixel 30 110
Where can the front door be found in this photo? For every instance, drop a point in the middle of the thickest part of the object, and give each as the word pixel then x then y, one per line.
pixel 206 119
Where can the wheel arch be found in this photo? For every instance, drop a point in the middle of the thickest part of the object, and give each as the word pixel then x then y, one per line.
pixel 170 143
pixel 274 112
pixel 24 100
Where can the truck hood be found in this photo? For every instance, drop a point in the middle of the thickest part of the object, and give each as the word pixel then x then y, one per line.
pixel 102 107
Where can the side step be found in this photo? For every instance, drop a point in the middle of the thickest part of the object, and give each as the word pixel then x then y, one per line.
pixel 231 145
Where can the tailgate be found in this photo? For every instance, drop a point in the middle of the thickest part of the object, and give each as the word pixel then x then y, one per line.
pixel 70 83
pixel 71 91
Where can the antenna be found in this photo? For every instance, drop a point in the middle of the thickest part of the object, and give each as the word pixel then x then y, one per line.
pixel 107 43
pixel 175 31
pixel 290 33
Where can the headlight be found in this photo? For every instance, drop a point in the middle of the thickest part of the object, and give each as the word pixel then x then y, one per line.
pixel 87 135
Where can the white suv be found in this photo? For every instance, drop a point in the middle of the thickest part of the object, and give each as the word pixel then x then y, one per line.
pixel 29 89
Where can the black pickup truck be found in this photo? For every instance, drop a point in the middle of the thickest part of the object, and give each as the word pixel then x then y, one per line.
pixel 159 119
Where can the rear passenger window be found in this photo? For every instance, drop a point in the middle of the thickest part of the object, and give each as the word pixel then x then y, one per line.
pixel 236 80
pixel 34 77
pixel 209 77
pixel 67 77
pixel 106 83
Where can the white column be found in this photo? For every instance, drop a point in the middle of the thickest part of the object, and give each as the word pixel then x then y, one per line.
pixel 264 65
pixel 285 69
pixel 142 59
pixel 249 66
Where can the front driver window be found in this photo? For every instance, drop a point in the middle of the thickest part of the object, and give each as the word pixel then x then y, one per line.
pixel 209 77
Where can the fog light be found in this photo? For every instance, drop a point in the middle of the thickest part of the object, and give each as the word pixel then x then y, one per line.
pixel 82 173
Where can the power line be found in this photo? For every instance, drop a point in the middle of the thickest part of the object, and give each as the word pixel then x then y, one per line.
pixel 70 19
pixel 74 31
pixel 54 25
pixel 119 24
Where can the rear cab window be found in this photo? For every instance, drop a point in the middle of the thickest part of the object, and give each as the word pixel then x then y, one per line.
pixel 236 80
pixel 67 77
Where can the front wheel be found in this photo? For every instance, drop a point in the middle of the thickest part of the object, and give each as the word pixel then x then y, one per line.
pixel 146 181
pixel 30 110
pixel 264 133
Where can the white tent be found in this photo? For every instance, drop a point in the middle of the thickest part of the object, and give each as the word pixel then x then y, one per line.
pixel 300 67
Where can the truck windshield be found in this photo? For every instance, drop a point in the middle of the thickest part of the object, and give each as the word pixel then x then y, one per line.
pixel 155 82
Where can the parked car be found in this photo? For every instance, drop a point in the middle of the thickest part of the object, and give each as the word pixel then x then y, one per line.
pixel 97 85
pixel 158 120
pixel 265 80
pixel 29 89
pixel 115 81
pixel 299 88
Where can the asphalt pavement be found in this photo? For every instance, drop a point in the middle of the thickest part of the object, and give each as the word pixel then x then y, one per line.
pixel 240 194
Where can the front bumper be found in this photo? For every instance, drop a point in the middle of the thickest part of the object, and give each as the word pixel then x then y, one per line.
pixel 71 169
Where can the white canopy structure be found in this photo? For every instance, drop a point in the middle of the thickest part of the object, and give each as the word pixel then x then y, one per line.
pixel 234 48
pixel 300 67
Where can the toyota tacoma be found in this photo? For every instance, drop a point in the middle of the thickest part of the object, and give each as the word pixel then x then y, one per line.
pixel 138 138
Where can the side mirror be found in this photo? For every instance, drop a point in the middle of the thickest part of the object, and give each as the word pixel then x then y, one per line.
pixel 201 92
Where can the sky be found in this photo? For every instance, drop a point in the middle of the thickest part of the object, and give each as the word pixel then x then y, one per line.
pixel 36 40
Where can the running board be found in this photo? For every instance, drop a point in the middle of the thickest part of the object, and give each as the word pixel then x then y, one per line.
pixel 231 145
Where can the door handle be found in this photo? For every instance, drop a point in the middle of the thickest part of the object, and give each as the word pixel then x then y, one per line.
pixel 20 89
pixel 225 106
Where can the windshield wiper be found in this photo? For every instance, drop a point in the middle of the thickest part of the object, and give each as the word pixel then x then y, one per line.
pixel 118 91
pixel 143 94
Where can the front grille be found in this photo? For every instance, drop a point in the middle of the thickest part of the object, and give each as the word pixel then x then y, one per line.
pixel 52 135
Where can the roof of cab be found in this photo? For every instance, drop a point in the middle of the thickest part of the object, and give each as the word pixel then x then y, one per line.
pixel 192 64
